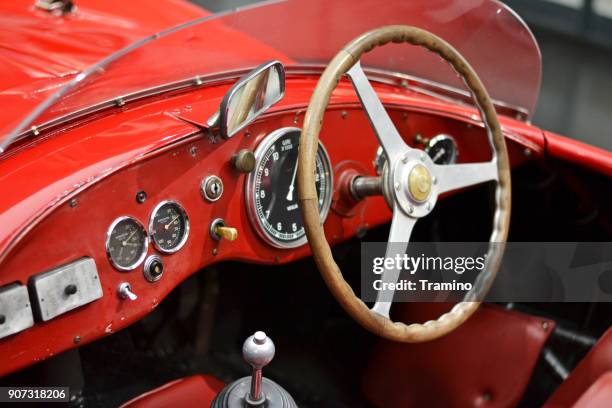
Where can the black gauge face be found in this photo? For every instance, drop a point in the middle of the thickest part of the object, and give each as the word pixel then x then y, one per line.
pixel 442 149
pixel 169 227
pixel 126 243
pixel 272 190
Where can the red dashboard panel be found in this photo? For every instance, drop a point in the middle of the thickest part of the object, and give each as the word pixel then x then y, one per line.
pixel 78 228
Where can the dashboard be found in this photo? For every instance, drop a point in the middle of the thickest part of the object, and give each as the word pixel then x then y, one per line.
pixel 108 256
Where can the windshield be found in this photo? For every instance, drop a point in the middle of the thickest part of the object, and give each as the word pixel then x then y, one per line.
pixel 302 34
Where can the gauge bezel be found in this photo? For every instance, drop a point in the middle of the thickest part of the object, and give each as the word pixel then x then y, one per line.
pixel 437 139
pixel 183 214
pixel 259 153
pixel 145 250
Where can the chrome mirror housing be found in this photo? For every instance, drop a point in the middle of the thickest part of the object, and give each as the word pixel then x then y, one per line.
pixel 248 98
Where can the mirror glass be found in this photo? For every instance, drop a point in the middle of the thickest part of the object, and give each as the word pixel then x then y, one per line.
pixel 251 96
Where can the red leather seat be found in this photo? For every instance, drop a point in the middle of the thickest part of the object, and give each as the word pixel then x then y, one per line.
pixel 487 361
pixel 592 367
pixel 196 391
pixel 598 395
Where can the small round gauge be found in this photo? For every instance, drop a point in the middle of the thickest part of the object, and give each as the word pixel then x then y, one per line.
pixel 169 227
pixel 271 190
pixel 442 149
pixel 126 243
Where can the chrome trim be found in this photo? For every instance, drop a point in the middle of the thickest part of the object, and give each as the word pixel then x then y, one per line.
pixel 224 109
pixel 182 212
pixel 420 85
pixel 263 147
pixel 203 188
pixel 147 269
pixel 134 265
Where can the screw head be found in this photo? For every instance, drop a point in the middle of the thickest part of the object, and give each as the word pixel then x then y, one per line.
pixel 410 209
pixel 405 158
pixel 397 185
pixel 73 202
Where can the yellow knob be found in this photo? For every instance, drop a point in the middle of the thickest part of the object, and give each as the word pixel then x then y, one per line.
pixel 229 233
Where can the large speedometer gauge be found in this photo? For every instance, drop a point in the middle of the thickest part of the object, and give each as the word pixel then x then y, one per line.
pixel 271 190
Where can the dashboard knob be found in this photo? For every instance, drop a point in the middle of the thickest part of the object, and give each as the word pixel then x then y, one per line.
pixel 125 291
pixel 244 161
pixel 218 230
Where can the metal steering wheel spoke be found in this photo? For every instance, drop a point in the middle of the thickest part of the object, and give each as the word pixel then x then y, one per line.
pixel 388 136
pixel 456 176
pixel 399 237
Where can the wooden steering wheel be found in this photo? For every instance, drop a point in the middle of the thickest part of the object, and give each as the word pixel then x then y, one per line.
pixel 414 182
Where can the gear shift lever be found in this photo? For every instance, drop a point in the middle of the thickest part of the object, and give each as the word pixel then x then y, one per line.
pixel 255 391
pixel 258 350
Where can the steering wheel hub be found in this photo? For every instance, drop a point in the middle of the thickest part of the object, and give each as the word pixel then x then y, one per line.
pixel 419 183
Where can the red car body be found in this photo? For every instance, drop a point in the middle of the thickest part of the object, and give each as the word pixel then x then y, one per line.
pixel 57 187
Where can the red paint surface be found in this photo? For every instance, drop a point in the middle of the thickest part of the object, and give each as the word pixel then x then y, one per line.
pixel 581 154
pixel 39 51
pixel 191 392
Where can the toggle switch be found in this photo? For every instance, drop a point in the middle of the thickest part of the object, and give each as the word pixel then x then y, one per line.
pixel 218 230
pixel 125 291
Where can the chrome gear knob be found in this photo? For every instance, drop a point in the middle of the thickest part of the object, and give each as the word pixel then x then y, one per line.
pixel 255 391
pixel 258 350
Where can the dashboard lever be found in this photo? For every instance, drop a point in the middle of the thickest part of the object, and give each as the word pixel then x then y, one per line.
pixel 125 291
pixel 218 230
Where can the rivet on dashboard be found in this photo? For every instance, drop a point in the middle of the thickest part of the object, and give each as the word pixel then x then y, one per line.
pixel 193 151
pixel 197 81
pixel 35 131
pixel 527 152
pixel 119 102
pixel 77 339
pixel 215 251
pixel 73 203
pixel 344 114
pixel 141 196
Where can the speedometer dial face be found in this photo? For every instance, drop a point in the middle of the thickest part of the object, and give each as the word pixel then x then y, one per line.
pixel 169 227
pixel 126 243
pixel 271 189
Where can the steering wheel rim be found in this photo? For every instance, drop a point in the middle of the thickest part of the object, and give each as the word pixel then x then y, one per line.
pixel 403 160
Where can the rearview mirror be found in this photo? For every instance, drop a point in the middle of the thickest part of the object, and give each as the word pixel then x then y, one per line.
pixel 252 95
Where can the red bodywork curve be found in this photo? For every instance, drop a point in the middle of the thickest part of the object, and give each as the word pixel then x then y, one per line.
pixel 148 146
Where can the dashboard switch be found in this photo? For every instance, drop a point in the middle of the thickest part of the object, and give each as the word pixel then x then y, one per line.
pixel 244 161
pixel 218 230
pixel 125 291
pixel 153 268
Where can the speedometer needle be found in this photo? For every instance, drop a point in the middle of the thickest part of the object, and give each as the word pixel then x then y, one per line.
pixel 124 243
pixel 290 193
pixel 170 223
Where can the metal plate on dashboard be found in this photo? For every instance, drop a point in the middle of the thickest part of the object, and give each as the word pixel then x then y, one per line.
pixel 15 310
pixel 65 288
